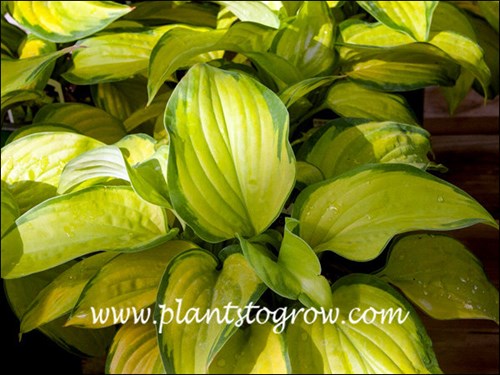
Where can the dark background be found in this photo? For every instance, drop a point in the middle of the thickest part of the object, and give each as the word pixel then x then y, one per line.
pixel 36 353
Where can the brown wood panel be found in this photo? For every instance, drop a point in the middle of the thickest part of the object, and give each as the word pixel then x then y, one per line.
pixel 472 162
pixel 464 346
pixel 462 125
pixel 468 144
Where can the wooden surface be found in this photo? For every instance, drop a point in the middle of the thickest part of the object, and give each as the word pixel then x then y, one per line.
pixel 468 144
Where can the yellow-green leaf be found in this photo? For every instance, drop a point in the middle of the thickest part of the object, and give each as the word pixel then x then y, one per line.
pixel 307 40
pixel 353 31
pixel 231 166
pixel 113 56
pixel 488 40
pixel 41 127
pixel 447 17
pixel 65 21
pixel 86 119
pixel 344 144
pixel 357 213
pixel 344 97
pixel 135 351
pixel 11 38
pixel 17 96
pixel 307 174
pixel 255 349
pixel 295 274
pixel 195 285
pixel 490 11
pixel 137 148
pixel 299 90
pixel 464 51
pixel 129 281
pixel 66 227
pixel 62 293
pixel 391 340
pixel 28 73
pixel 10 210
pixel 177 12
pixel 32 165
pixel 252 11
pixel 152 113
pixel 459 290
pixel 35 46
pixel 400 68
pixel 281 71
pixel 410 17
pixel 83 342
pixel 121 99
pixel 148 177
pixel 170 53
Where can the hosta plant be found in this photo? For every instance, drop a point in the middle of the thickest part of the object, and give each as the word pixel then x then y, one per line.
pixel 177 173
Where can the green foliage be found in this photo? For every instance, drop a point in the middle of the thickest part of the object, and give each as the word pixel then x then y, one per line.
pixel 165 159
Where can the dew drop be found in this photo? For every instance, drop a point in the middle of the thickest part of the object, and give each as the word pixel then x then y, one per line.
pixel 426 293
pixel 332 208
pixel 468 306
pixel 440 199
pixel 69 230
pixel 221 363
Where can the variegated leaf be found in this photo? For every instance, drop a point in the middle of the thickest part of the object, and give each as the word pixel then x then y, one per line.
pixel 460 290
pixel 113 56
pixel 230 166
pixel 60 296
pixel 170 54
pixel 63 21
pixel 255 349
pixel 32 165
pixel 135 351
pixel 372 330
pixel 252 11
pixel 344 98
pixel 83 342
pixel 295 274
pixel 410 17
pixel 345 144
pixel 128 281
pixel 86 119
pixel 357 213
pixel 66 227
pixel 307 41
pixel 195 281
